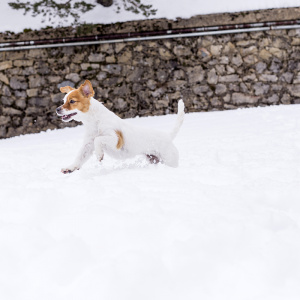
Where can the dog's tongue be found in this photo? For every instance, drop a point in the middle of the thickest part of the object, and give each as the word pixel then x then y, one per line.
pixel 66 117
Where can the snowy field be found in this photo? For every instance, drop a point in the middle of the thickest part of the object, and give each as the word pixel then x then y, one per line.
pixel 225 225
pixel 15 21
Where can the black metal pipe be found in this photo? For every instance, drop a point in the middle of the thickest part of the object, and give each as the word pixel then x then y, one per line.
pixel 119 37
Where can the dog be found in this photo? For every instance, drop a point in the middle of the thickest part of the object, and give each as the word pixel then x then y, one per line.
pixel 105 132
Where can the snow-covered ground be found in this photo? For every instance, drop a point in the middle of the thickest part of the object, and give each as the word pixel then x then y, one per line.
pixel 225 225
pixel 13 20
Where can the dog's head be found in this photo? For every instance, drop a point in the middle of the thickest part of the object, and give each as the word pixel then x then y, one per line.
pixel 76 102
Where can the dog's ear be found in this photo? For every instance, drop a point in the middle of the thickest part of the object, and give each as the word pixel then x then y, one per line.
pixel 66 89
pixel 86 89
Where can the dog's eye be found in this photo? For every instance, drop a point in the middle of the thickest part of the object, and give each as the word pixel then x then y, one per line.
pixel 72 101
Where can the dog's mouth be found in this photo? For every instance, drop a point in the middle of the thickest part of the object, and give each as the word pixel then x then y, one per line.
pixel 68 117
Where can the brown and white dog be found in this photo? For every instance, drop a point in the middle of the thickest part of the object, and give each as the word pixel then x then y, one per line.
pixel 105 132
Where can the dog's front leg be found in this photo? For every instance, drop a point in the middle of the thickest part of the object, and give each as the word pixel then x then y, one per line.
pixel 104 142
pixel 83 155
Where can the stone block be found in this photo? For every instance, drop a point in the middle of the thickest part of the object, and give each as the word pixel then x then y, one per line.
pixel 250 77
pixel 6 91
pixel 27 121
pixel 38 53
pixel 260 67
pixel 268 78
pixel 110 59
pixel 8 101
pixel 285 99
pixel 33 110
pixel 204 54
pixel 23 63
pixel 176 85
pixel 73 77
pixel 120 104
pixel 229 78
pixel 101 76
pixel 216 49
pixel 240 98
pixel 4 78
pixel 20 94
pixel 36 81
pixel 265 55
pixel 157 93
pixel 246 43
pixel 162 103
pixel 216 102
pixel 287 77
pixel 29 71
pixel 181 50
pixel 294 90
pixel 296 79
pixel 125 57
pixel 11 111
pixel 200 89
pixel 15 55
pixel 3 131
pixel 248 51
pixel 179 74
pixel 66 83
pixel 212 77
pixel 21 103
pixel 295 41
pixel 237 60
pixel 39 102
pixel 18 83
pixel 279 53
pixel 195 74
pixel 165 54
pixel 250 60
pixel 260 88
pixel 135 75
pixel 54 79
pixel 151 84
pixel 229 48
pixel 221 89
pixel 271 100
pixel 119 47
pixel 4 120
pixel 6 65
pixel 85 66
pixel 32 92
pixel 112 69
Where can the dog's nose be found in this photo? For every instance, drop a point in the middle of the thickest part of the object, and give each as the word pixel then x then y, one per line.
pixel 58 109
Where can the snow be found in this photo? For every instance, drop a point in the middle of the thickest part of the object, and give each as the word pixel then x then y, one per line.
pixel 13 20
pixel 224 225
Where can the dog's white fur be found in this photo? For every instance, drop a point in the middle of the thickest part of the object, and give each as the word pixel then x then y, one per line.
pixel 101 126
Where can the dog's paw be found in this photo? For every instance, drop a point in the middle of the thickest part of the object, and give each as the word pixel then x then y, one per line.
pixel 69 170
pixel 100 157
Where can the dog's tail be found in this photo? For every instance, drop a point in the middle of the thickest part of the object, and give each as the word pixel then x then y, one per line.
pixel 180 117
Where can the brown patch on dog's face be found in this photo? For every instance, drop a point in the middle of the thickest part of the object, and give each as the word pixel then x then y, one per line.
pixel 79 98
pixel 120 143
pixel 75 100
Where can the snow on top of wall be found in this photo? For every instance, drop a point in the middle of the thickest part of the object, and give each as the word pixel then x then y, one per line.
pixel 12 20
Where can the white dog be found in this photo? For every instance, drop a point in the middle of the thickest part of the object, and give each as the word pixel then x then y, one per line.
pixel 106 132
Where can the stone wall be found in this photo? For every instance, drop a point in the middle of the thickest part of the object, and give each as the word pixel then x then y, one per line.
pixel 148 78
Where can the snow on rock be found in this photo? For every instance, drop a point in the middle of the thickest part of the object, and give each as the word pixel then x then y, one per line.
pixel 14 20
pixel 224 225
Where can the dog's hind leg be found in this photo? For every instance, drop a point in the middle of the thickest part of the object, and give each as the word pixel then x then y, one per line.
pixel 153 159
